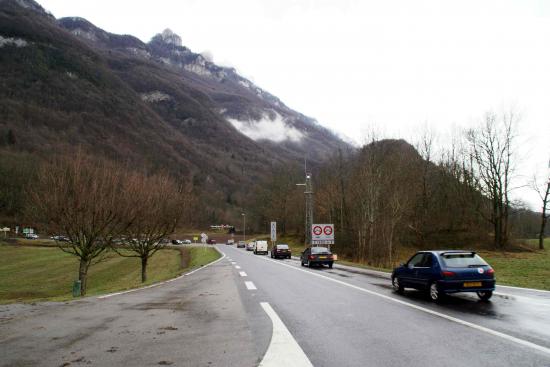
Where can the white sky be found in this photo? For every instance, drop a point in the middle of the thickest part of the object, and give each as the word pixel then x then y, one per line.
pixel 398 65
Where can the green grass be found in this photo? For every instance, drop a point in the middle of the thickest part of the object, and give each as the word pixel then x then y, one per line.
pixel 530 268
pixel 29 274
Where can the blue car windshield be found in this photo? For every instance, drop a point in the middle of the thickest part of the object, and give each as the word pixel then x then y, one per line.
pixel 461 260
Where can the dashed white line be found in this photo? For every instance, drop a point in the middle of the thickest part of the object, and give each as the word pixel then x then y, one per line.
pixel 233 263
pixel 283 349
pixel 237 267
pixel 242 273
pixel 250 286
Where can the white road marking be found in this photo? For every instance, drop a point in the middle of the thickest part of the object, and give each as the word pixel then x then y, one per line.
pixel 525 289
pixel 511 338
pixel 242 273
pixel 283 349
pixel 250 286
pixel 166 281
pixel 237 267
pixel 233 263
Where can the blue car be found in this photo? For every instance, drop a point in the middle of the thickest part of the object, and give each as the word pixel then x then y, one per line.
pixel 444 272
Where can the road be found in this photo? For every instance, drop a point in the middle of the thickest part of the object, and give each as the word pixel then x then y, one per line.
pixel 347 318
pixel 250 310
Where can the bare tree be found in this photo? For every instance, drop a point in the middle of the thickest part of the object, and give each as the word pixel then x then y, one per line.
pixel 158 205
pixel 491 149
pixel 83 199
pixel 544 194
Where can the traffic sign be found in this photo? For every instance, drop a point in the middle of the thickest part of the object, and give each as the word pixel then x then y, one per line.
pixel 322 234
pixel 273 231
pixel 204 237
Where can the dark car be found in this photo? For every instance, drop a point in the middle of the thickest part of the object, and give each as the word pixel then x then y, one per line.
pixel 444 272
pixel 211 241
pixel 280 251
pixel 317 256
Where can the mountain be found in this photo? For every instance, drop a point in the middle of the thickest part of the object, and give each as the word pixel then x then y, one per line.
pixel 67 84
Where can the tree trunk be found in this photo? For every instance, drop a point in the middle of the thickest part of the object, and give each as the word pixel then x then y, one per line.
pixel 144 269
pixel 83 275
pixel 544 217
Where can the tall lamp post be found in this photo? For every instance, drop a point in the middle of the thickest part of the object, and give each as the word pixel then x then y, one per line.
pixel 309 206
pixel 244 226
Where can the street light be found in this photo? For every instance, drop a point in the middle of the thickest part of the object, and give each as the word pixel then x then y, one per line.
pixel 309 206
pixel 244 227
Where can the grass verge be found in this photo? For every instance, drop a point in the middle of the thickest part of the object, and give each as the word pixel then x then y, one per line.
pixel 30 274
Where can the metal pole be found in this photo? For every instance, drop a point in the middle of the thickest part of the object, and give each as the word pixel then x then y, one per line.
pixel 244 226
pixel 309 206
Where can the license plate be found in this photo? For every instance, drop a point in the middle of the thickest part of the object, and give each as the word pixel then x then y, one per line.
pixel 472 284
pixel 322 257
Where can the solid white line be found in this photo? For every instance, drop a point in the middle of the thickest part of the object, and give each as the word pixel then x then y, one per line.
pixel 250 286
pixel 237 267
pixel 166 281
pixel 242 273
pixel 426 310
pixel 283 349
pixel 521 288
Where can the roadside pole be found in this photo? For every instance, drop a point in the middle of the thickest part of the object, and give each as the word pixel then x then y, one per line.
pixel 273 234
pixel 309 206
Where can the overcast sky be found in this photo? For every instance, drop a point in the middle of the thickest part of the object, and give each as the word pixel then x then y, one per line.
pixel 397 66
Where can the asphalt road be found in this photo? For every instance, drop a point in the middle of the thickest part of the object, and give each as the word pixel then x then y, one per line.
pixel 343 317
pixel 250 310
pixel 197 320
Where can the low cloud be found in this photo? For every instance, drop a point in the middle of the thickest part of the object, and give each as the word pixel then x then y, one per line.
pixel 276 129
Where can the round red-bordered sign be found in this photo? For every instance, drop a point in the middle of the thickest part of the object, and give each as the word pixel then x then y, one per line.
pixel 317 230
pixel 327 230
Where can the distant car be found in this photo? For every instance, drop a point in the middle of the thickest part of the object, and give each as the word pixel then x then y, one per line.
pixel 177 242
pixel 60 238
pixel 280 251
pixel 230 242
pixel 211 241
pixel 260 248
pixel 31 236
pixel 250 246
pixel 317 256
pixel 444 272
pixel 187 242
pixel 241 244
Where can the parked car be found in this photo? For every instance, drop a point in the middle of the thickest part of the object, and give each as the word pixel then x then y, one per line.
pixel 241 244
pixel 60 238
pixel 260 248
pixel 250 246
pixel 31 236
pixel 187 242
pixel 280 251
pixel 230 242
pixel 211 241
pixel 444 272
pixel 317 255
pixel 177 242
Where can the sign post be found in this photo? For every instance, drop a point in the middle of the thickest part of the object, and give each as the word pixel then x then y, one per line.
pixel 322 234
pixel 5 230
pixel 273 232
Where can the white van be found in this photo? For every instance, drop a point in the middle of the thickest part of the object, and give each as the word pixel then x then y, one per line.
pixel 261 247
